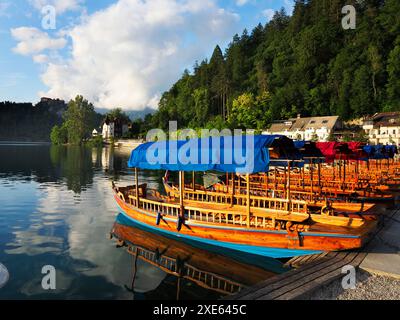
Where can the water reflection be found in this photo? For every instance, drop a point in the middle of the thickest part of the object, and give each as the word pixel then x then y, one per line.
pixel 57 208
pixel 214 269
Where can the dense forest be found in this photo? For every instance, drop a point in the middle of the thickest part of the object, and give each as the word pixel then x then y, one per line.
pixel 301 64
pixel 28 122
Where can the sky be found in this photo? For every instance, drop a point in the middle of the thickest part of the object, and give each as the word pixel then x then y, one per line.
pixel 116 53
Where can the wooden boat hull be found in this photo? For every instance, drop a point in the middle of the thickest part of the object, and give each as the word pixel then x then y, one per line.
pixel 270 243
pixel 213 262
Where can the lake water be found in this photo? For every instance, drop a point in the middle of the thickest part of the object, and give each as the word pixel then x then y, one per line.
pixel 57 209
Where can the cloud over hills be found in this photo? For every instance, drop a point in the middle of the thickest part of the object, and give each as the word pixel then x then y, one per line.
pixel 127 54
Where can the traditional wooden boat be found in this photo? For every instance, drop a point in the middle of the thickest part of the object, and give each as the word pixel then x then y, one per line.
pixel 217 271
pixel 348 190
pixel 316 203
pixel 272 227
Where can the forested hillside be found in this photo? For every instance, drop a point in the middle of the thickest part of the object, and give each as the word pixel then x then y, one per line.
pixel 28 122
pixel 303 64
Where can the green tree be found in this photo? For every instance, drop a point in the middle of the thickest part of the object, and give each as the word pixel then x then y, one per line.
pixel 393 85
pixel 361 100
pixel 216 122
pixel 249 112
pixel 347 137
pixel 361 136
pixel 375 60
pixel 117 113
pixel 59 135
pixel 314 137
pixel 244 112
pixel 218 82
pixel 331 137
pixel 79 120
pixel 201 105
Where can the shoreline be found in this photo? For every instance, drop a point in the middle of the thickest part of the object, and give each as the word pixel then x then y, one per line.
pixel 29 143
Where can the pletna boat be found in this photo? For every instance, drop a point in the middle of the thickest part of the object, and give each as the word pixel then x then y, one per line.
pixel 272 227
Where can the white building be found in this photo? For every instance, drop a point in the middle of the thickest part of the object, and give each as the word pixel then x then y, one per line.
pixel 306 128
pixel 383 128
pixel 108 130
pixel 115 128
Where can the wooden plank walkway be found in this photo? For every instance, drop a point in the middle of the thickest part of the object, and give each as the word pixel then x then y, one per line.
pixel 310 273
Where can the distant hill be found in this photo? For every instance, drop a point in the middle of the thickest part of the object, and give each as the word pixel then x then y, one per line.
pixel 133 114
pixel 28 122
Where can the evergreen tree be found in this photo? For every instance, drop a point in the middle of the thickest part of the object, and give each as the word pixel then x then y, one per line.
pixel 393 85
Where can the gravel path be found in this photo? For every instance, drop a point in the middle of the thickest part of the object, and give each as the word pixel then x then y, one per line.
pixel 368 287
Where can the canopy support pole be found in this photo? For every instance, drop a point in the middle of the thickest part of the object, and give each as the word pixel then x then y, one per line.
pixel 319 178
pixel 181 187
pixel 193 181
pixel 137 187
pixel 233 190
pixel 344 175
pixel 285 182
pixel 288 188
pixel 357 169
pixel 334 170
pixel 248 199
pixel 312 179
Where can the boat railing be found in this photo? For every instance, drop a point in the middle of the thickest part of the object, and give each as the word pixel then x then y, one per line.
pixel 262 202
pixel 171 265
pixel 263 212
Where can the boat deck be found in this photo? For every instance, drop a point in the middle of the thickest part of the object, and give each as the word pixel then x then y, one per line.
pixel 310 272
pixel 315 227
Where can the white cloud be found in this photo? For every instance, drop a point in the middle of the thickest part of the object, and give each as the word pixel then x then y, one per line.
pixel 268 13
pixel 61 6
pixel 33 41
pixel 241 2
pixel 40 58
pixel 128 53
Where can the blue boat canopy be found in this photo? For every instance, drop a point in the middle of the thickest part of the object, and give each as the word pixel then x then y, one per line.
pixel 375 151
pixel 380 151
pixel 240 154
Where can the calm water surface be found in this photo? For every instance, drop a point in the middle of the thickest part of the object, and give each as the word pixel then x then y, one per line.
pixel 56 208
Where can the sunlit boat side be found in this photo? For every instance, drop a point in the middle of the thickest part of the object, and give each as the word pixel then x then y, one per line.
pixel 274 227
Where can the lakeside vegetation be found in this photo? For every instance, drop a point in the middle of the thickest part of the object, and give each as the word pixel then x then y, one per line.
pixel 33 123
pixel 78 122
pixel 28 122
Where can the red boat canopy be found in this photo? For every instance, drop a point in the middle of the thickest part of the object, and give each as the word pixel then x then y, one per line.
pixel 358 149
pixel 328 150
pixel 341 150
